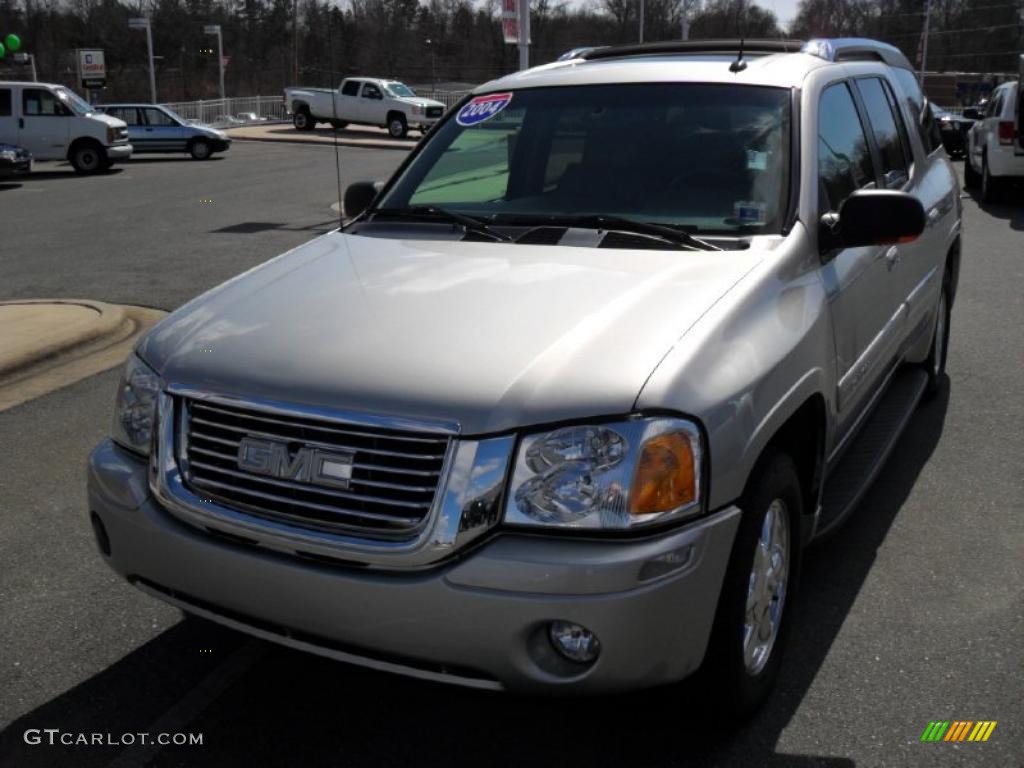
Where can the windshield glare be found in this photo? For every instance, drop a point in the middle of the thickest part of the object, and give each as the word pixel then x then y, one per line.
pixel 399 89
pixel 74 102
pixel 710 157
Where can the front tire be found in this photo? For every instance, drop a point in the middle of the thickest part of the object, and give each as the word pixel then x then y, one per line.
pixel 756 603
pixel 200 150
pixel 397 127
pixel 971 176
pixel 88 157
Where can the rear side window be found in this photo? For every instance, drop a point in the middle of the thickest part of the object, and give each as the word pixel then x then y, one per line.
pixel 5 102
pixel 844 159
pixel 881 112
pixel 350 88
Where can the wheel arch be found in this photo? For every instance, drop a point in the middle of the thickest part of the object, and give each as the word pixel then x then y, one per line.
pixel 82 141
pixel 396 113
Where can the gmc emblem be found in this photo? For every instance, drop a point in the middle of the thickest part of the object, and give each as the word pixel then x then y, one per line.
pixel 307 465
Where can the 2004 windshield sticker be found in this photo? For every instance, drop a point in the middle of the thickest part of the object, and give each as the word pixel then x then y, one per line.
pixel 482 108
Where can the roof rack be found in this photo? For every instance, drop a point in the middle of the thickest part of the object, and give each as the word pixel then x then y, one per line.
pixel 726 46
pixel 829 49
pixel 856 49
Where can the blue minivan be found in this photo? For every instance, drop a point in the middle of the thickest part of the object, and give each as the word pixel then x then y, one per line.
pixel 153 128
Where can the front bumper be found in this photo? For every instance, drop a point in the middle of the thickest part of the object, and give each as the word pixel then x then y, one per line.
pixel 220 145
pixel 119 152
pixel 479 621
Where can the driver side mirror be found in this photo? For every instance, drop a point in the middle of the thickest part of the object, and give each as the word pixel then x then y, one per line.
pixel 971 113
pixel 872 217
pixel 359 196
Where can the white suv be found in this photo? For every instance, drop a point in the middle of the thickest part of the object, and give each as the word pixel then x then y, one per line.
pixel 995 144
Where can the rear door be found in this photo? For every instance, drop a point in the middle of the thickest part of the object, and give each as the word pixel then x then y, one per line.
pixel 136 128
pixel 864 298
pixel 44 125
pixel 348 100
pixel 8 118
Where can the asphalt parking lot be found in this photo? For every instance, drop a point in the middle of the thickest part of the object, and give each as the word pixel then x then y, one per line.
pixel 913 613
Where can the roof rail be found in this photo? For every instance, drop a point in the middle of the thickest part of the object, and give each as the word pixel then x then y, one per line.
pixel 727 46
pixel 856 49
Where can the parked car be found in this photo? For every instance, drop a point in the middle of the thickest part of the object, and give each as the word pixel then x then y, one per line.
pixel 562 405
pixel 995 155
pixel 250 117
pixel 953 130
pixel 14 160
pixel 364 101
pixel 153 128
pixel 53 123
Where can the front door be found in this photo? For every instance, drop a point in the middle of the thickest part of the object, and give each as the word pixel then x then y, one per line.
pixel 371 104
pixel 44 125
pixel 162 132
pixel 864 293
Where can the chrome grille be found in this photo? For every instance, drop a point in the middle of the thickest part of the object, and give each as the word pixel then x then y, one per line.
pixel 435 111
pixel 394 474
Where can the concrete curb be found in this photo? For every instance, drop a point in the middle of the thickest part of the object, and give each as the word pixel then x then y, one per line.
pixel 57 339
pixel 322 140
pixel 66 352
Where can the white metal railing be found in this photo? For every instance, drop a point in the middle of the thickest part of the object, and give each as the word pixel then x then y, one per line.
pixel 227 112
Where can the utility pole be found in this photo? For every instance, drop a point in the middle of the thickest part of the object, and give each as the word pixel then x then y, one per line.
pixel 641 21
pixel 143 23
pixel 295 44
pixel 524 34
pixel 214 29
pixel 684 23
pixel 924 42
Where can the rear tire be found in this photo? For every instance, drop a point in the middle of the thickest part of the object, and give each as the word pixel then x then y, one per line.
pixel 935 365
pixel 303 120
pixel 756 603
pixel 200 150
pixel 991 187
pixel 88 157
pixel 971 176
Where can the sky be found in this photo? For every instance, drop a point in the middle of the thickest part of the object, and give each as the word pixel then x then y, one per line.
pixel 784 10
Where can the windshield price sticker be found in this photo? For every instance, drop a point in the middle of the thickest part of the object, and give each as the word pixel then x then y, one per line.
pixel 750 212
pixel 482 108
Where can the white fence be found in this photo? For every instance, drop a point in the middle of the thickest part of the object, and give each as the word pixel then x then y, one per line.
pixel 225 113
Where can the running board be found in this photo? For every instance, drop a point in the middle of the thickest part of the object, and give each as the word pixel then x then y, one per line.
pixel 849 480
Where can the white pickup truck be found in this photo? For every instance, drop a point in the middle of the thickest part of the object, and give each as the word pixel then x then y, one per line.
pixel 365 101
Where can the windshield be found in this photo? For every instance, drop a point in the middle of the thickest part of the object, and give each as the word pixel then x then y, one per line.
pixel 399 89
pixel 74 102
pixel 712 158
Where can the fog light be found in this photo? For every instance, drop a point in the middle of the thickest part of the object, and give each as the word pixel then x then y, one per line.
pixel 574 642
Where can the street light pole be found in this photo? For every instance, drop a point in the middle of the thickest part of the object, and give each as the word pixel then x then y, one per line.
pixel 924 42
pixel 143 23
pixel 641 21
pixel 524 34
pixel 214 29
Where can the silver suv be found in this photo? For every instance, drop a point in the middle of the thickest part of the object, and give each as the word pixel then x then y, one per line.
pixel 562 405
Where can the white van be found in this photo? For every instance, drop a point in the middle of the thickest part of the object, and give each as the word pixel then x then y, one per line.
pixel 54 123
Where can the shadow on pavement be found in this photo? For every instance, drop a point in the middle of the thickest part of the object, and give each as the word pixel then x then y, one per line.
pixel 1009 208
pixel 174 157
pixel 257 227
pixel 54 175
pixel 8 185
pixel 295 709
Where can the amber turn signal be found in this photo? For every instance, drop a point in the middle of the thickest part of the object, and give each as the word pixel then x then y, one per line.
pixel 665 475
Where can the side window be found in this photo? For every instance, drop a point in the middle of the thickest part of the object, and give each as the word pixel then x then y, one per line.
pixel 5 102
pixel 129 114
pixel 350 88
pixel 844 160
pixel 158 119
pixel 927 126
pixel 891 146
pixel 995 107
pixel 37 102
pixel 371 91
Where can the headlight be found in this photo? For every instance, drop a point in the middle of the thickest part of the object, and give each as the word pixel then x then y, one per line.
pixel 616 475
pixel 135 408
pixel 8 156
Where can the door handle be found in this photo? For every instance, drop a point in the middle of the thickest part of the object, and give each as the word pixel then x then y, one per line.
pixel 892 256
pixel 21 122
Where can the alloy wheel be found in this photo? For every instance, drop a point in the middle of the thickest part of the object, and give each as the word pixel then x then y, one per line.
pixel 766 592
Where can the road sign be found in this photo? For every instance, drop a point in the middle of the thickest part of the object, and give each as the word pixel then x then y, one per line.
pixel 92 69
pixel 141 23
pixel 211 29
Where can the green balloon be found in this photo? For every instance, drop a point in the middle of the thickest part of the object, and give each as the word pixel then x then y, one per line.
pixel 13 42
pixel 2 51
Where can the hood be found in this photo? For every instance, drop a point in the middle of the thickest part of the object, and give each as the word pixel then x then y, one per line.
pixel 113 122
pixel 490 335
pixel 419 101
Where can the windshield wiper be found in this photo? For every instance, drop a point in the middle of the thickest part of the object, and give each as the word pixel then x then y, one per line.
pixel 469 223
pixel 674 235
